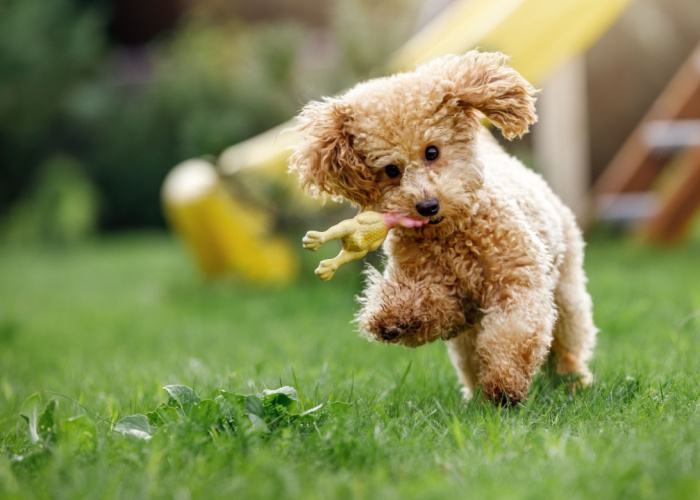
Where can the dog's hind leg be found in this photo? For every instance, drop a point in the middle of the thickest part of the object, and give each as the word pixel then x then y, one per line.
pixel 462 352
pixel 574 331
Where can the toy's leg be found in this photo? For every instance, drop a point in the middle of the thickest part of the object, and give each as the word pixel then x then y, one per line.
pixel 512 342
pixel 400 310
pixel 327 268
pixel 574 332
pixel 462 352
pixel 316 239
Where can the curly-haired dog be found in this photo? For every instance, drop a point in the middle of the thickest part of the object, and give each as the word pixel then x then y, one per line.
pixel 497 272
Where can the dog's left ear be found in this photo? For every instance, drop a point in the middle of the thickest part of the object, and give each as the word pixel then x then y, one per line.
pixel 324 157
pixel 484 81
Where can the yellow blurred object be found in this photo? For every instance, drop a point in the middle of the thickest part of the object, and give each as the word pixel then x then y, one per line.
pixel 539 35
pixel 266 153
pixel 223 234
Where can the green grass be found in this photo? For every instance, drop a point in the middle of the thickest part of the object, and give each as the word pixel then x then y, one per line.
pixel 110 323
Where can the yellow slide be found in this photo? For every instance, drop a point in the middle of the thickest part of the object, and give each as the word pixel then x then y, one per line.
pixel 539 35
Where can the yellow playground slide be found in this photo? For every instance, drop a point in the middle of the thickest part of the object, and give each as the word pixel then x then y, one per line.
pixel 227 236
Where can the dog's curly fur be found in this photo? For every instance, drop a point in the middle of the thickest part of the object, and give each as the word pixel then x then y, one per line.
pixel 498 272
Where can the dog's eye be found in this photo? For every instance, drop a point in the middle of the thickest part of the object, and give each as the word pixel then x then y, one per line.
pixel 431 153
pixel 392 171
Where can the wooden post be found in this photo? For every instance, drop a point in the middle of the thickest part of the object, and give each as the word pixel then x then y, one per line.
pixel 560 138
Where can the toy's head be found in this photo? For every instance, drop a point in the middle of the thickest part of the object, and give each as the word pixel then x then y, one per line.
pixel 406 143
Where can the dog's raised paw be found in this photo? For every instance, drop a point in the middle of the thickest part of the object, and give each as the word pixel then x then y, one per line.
pixel 389 333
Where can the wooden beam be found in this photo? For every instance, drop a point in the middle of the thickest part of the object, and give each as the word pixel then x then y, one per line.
pixel 673 220
pixel 636 165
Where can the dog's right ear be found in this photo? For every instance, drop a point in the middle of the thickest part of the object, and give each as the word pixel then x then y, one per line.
pixel 324 157
pixel 483 81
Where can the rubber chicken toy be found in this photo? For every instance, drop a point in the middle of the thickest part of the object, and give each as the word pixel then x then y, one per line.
pixel 360 235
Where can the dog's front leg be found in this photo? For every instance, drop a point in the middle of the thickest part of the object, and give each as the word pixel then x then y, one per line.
pixel 403 310
pixel 512 342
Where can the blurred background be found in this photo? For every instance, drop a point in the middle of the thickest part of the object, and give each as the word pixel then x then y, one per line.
pixel 100 99
pixel 141 149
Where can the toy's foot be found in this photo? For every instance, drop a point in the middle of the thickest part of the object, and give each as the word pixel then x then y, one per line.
pixel 326 270
pixel 313 241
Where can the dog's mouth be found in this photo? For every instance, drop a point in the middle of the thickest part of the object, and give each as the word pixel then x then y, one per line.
pixel 437 220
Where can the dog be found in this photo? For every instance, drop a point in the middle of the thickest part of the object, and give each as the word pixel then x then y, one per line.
pixel 497 270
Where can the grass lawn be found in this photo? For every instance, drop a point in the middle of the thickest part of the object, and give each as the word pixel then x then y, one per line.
pixel 110 323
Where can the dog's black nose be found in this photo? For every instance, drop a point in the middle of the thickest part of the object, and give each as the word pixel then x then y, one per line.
pixel 429 207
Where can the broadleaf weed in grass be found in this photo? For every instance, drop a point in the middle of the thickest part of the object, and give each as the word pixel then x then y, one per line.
pixel 30 411
pixel 135 426
pixel 228 414
pixel 182 396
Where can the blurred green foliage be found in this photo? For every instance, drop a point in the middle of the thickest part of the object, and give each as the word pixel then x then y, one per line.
pixel 129 115
pixel 60 208
pixel 46 50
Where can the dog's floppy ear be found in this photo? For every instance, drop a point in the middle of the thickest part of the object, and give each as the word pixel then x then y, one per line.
pixel 324 157
pixel 483 81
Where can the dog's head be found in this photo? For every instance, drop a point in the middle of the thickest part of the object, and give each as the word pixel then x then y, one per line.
pixel 406 143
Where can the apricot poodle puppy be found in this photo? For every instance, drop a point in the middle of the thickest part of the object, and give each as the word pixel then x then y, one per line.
pixel 497 272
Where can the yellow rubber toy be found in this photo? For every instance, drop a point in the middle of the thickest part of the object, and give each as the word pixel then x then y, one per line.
pixel 362 234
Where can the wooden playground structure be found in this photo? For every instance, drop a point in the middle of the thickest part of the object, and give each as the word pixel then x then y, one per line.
pixel 655 177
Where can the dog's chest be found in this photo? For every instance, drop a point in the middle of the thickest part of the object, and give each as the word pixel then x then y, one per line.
pixel 454 262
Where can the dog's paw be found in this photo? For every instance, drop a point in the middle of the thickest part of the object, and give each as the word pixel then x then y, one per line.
pixel 390 333
pixel 505 389
pixel 407 312
pixel 399 323
pixel 467 394
pixel 400 333
pixel 313 241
